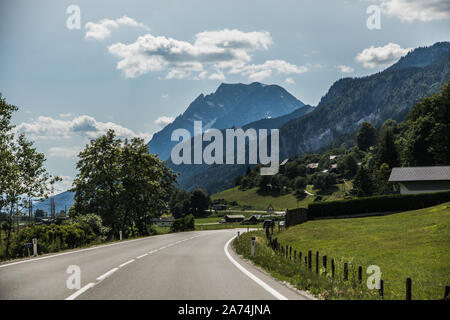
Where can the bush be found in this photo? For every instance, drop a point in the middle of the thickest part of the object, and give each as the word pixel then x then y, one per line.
pixel 385 203
pixel 185 223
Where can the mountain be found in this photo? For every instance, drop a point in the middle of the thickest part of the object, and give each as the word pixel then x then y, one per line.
pixel 231 105
pixel 375 98
pixel 389 94
pixel 63 201
pixel 214 178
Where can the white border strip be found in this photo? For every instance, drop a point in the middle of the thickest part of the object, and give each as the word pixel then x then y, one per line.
pixel 125 263
pixel 268 288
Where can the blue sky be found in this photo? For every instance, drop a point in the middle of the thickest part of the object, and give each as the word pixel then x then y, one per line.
pixel 71 85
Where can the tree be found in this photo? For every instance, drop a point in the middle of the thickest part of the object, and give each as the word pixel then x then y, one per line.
pixel 382 179
pixel 322 180
pixel 200 202
pixel 300 183
pixel 347 166
pixel 123 183
pixel 39 213
pixel 386 149
pixel 366 136
pixel 363 183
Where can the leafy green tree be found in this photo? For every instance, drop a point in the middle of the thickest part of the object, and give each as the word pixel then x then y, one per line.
pixel 123 183
pixel 386 148
pixel 39 213
pixel 382 179
pixel 366 136
pixel 300 182
pixel 426 131
pixel 199 202
pixel 363 183
pixel 347 166
pixel 185 223
pixel 322 180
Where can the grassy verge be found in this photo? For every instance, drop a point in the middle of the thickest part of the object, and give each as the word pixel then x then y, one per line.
pixel 297 273
pixel 413 244
pixel 226 226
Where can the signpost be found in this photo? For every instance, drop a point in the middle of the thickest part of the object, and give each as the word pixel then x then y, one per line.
pixel 35 252
pixel 253 247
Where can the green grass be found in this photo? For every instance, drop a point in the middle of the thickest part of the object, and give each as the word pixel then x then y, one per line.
pixel 256 201
pixel 414 244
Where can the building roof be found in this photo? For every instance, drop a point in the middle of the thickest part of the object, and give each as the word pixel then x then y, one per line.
pixel 312 165
pixel 284 162
pixel 420 174
pixel 235 216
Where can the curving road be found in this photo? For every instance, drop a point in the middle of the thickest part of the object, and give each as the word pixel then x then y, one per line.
pixel 180 266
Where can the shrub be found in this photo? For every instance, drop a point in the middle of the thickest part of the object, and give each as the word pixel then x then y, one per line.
pixel 384 203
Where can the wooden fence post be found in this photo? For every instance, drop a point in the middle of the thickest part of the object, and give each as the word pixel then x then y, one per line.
pixel 346 271
pixel 309 260
pixel 447 292
pixel 295 255
pixel 332 268
pixel 359 274
pixel 300 256
pixel 325 263
pixel 317 261
pixel 290 253
pixel 381 290
pixel 408 288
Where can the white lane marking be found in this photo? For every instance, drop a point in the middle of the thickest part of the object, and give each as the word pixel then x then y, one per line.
pixel 80 291
pixel 125 263
pixel 107 274
pixel 268 288
pixel 103 276
pixel 73 252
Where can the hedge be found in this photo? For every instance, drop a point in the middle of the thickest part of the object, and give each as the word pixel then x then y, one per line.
pixel 385 203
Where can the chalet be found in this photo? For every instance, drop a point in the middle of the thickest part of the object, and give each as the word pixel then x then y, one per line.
pixel 311 167
pixel 421 179
pixel 234 218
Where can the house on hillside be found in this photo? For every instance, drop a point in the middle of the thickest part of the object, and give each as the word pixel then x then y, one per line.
pixel 219 207
pixel 311 167
pixel 421 179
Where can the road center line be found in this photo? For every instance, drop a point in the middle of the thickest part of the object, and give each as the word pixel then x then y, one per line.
pixel 142 255
pixel 80 291
pixel 268 288
pixel 107 274
pixel 125 263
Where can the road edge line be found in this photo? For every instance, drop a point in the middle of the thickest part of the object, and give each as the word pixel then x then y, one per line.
pixel 264 285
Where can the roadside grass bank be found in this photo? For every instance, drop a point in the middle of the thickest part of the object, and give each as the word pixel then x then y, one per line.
pixel 296 272
pixel 413 244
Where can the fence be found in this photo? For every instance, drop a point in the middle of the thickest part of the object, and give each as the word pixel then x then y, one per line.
pixel 327 267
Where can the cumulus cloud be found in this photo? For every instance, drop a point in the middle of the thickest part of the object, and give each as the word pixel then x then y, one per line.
pixel 345 69
pixel 64 185
pixel 64 152
pixel 381 56
pixel 259 72
pixel 421 10
pixel 102 29
pixel 164 120
pixel 223 51
pixel 85 126
pixel 290 81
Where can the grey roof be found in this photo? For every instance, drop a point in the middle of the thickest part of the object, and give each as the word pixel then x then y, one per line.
pixel 420 174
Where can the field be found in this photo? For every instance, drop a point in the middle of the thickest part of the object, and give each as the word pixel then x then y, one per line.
pixel 251 198
pixel 414 244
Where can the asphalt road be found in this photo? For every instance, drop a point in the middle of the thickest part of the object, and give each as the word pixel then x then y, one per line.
pixel 180 266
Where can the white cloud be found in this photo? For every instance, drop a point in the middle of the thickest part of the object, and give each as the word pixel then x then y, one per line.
pixel 164 120
pixel 289 81
pixel 64 185
pixel 381 56
pixel 102 29
pixel 421 10
pixel 164 96
pixel 64 152
pixel 345 69
pixel 259 72
pixel 66 115
pixel 222 51
pixel 217 76
pixel 85 126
